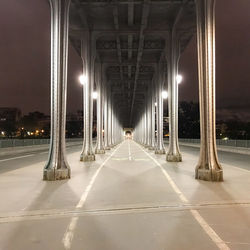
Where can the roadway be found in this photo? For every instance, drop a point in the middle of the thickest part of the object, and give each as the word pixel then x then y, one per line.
pixel 129 199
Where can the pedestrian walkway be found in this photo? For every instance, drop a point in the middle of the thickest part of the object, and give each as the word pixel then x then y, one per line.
pixel 129 199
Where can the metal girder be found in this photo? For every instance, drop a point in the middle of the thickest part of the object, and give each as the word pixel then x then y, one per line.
pixel 105 2
pixel 81 13
pixel 130 45
pixel 145 13
pixel 118 42
pixel 179 14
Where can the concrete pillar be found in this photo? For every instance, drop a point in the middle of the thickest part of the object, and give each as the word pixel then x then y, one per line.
pixel 152 118
pixel 208 167
pixel 159 149
pixel 99 143
pixel 109 118
pixel 173 54
pixel 145 127
pixel 112 122
pixel 148 103
pixel 106 124
pixel 57 167
pixel 88 57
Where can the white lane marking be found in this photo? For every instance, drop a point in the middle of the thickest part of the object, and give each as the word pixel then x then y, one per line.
pixel 43 153
pixel 69 234
pixel 242 169
pixel 210 232
pixel 18 157
pixel 129 152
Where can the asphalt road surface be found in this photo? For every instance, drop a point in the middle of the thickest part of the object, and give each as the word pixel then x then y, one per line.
pixel 128 199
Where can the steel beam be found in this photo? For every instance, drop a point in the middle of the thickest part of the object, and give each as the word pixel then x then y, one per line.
pixel 145 13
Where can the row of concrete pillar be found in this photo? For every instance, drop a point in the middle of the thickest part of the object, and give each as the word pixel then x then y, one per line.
pixel 208 167
pixel 57 166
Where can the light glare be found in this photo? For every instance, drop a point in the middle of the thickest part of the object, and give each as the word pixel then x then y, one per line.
pixel 179 79
pixel 94 95
pixel 164 94
pixel 83 79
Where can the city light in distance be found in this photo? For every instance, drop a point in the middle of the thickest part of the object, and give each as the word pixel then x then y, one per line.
pixel 94 95
pixel 164 94
pixel 83 79
pixel 179 79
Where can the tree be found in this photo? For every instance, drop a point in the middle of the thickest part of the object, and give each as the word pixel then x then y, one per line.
pixel 189 120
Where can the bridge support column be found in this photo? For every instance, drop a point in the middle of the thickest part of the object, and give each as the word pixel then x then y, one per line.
pixel 57 167
pixel 159 116
pixel 208 167
pixel 149 137
pixel 112 123
pixel 106 124
pixel 110 118
pixel 173 154
pixel 99 143
pixel 88 57
pixel 145 127
pixel 152 118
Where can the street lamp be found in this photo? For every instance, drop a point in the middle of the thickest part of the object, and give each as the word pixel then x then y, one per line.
pixel 83 79
pixel 94 95
pixel 179 79
pixel 164 94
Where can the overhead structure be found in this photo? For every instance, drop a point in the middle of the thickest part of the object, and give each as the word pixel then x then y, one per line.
pixel 130 51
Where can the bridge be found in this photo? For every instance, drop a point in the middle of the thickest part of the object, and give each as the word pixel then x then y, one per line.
pixel 135 192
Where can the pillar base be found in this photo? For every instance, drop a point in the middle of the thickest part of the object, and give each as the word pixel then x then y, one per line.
pixel 174 158
pixel 107 148
pixel 209 174
pixel 100 151
pixel 56 174
pixel 151 148
pixel 86 158
pixel 160 152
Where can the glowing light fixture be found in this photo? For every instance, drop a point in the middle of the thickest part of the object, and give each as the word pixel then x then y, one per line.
pixel 164 94
pixel 94 95
pixel 155 104
pixel 179 79
pixel 83 79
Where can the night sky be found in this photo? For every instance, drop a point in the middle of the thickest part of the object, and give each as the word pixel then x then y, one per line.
pixel 25 60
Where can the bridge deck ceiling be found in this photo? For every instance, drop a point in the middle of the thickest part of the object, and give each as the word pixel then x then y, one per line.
pixel 131 38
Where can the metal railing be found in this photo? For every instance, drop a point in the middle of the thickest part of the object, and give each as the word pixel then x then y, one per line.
pixel 230 143
pixel 7 143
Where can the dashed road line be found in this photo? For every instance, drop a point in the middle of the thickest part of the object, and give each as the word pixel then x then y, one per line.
pixel 209 231
pixel 129 152
pixel 18 157
pixel 69 234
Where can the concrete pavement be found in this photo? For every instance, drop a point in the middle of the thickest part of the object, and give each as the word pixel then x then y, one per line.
pixel 129 199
